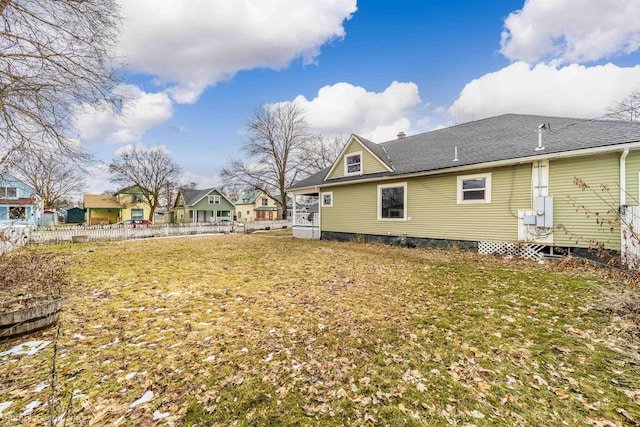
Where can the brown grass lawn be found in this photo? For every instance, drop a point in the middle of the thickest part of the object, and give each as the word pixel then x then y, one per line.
pixel 268 330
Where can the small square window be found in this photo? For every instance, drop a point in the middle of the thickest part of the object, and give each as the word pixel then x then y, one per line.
pixel 474 188
pixel 327 199
pixel 353 164
pixel 214 200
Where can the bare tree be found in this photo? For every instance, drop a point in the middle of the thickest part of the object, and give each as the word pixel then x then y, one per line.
pixel 232 191
pixel 53 177
pixel 628 109
pixel 321 153
pixel 170 191
pixel 54 54
pixel 278 134
pixel 150 169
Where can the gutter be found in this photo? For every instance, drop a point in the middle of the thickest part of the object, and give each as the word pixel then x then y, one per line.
pixel 623 176
pixel 622 211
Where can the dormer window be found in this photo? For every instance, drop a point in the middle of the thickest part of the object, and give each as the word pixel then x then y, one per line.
pixel 353 164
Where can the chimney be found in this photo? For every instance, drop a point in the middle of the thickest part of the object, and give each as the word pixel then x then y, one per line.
pixel 401 135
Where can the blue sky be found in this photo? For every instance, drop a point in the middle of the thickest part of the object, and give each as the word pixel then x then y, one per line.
pixel 197 69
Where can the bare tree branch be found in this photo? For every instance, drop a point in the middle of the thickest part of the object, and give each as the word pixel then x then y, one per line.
pixel 54 54
pixel 628 109
pixel 150 169
pixel 321 152
pixel 53 177
pixel 275 146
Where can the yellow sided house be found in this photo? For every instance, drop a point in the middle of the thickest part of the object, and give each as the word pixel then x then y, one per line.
pixel 256 205
pixel 502 184
pixel 127 203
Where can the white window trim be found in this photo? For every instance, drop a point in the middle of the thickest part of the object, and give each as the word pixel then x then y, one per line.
pixel 216 199
pixel 487 189
pixel 5 189
pixel 383 186
pixel 327 205
pixel 346 164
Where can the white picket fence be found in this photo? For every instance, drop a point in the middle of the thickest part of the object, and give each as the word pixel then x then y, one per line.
pixel 15 236
pixel 98 233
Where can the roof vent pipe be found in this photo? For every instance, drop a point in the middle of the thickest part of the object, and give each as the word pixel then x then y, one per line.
pixel 540 147
pixel 455 154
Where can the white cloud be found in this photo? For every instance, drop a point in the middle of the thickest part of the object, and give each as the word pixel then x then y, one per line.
pixel 140 111
pixel 98 180
pixel 571 30
pixel 342 109
pixel 573 91
pixel 203 181
pixel 195 44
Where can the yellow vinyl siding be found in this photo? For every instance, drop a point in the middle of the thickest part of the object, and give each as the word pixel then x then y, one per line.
pixel 433 208
pixel 595 170
pixel 370 164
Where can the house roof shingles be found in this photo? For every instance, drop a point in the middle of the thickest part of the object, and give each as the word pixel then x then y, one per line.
pixel 101 201
pixel 191 197
pixel 506 137
pixel 249 196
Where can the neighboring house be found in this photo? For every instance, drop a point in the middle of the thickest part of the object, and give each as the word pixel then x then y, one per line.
pixel 19 203
pixel 256 205
pixel 482 184
pixel 128 203
pixel 207 205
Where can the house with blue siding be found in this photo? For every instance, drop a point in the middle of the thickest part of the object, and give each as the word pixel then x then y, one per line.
pixel 19 203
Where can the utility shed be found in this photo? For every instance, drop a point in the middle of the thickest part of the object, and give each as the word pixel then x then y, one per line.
pixel 75 216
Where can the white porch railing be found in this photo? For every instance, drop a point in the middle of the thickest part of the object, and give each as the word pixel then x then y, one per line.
pixel 306 219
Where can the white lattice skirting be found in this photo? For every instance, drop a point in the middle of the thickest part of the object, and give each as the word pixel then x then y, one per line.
pixel 530 251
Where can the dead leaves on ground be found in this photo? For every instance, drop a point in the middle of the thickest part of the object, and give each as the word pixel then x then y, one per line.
pixel 260 331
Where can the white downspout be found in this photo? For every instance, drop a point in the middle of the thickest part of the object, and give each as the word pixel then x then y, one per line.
pixel 623 193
